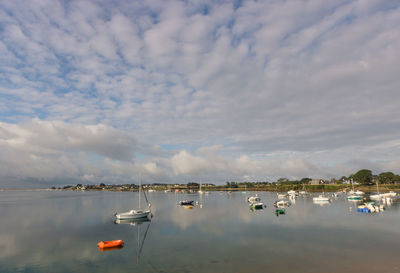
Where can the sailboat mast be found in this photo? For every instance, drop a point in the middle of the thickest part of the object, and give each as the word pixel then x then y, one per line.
pixel 140 187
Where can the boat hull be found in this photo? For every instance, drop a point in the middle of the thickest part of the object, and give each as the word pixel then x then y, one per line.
pixel 354 197
pixel 110 244
pixel 257 206
pixel 186 203
pixel 133 214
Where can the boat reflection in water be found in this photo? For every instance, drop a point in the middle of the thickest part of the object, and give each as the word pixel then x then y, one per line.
pixel 137 223
pixel 188 207
pixel 132 222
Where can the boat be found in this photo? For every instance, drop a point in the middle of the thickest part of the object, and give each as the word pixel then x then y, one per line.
pixel 321 203
pixel 253 199
pixel 110 244
pixel 321 198
pixel 358 192
pixel 389 194
pixel 353 195
pixel 136 213
pixel 200 191
pixel 280 211
pixel 377 196
pixel 282 195
pixel 257 205
pixel 292 193
pixel 186 203
pixel 281 203
pixel 370 207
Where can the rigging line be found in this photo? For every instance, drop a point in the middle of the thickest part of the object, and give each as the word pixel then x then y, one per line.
pixel 145 196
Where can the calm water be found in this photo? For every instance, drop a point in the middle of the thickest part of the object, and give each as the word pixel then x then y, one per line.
pixel 58 232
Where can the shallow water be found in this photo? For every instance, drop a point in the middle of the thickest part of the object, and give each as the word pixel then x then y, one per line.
pixel 57 231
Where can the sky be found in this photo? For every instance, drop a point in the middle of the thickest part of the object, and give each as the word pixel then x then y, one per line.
pixel 208 91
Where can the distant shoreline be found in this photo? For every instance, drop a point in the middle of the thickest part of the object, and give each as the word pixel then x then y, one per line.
pixel 183 188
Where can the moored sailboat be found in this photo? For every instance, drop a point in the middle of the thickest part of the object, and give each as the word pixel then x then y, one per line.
pixel 136 213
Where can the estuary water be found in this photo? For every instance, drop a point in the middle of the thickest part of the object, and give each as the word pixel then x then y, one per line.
pixel 57 231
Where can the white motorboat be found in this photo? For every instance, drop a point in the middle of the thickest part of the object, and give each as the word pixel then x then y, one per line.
pixel 136 213
pixel 358 192
pixel 321 198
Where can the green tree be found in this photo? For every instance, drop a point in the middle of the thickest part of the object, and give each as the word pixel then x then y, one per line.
pixel 343 178
pixel 282 180
pixel 386 177
pixel 305 180
pixel 363 176
pixel 193 185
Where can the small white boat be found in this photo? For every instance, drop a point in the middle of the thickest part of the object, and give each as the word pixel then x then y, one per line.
pixel 282 195
pixel 292 193
pixel 358 192
pixel 282 204
pixel 321 198
pixel 253 199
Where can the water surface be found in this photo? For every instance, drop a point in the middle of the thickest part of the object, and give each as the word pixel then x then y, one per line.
pixel 57 231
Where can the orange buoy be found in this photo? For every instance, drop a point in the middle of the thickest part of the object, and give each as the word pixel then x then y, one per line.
pixel 108 244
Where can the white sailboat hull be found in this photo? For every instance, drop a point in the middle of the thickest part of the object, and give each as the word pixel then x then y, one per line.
pixel 133 214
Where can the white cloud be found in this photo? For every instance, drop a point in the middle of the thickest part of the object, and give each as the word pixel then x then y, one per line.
pixel 318 80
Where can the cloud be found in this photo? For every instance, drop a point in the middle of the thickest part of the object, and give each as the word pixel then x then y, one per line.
pixel 254 78
pixel 48 150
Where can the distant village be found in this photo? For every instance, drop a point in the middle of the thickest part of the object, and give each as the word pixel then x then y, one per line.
pixel 362 179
